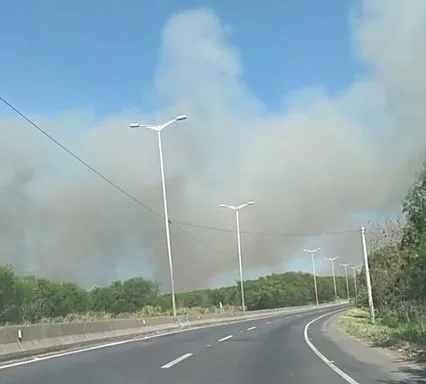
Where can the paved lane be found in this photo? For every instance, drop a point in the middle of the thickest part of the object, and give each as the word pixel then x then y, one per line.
pixel 268 350
pixel 272 353
pixel 360 361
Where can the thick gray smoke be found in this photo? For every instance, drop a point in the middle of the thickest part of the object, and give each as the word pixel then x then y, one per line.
pixel 313 168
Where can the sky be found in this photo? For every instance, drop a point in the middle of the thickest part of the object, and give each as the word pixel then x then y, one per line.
pixel 312 109
pixel 105 53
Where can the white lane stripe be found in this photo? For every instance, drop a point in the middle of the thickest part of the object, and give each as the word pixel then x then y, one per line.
pixel 48 357
pixel 251 328
pixel 225 338
pixel 330 363
pixel 115 343
pixel 176 361
pixel 37 359
pixel 268 322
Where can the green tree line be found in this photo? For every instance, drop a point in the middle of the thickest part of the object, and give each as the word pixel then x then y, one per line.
pixel 398 267
pixel 29 299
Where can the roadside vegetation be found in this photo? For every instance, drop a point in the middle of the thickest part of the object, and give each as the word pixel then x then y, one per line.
pixel 28 299
pixel 398 273
pixel 407 337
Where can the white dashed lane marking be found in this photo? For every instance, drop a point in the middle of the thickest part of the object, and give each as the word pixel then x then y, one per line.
pixel 225 338
pixel 177 361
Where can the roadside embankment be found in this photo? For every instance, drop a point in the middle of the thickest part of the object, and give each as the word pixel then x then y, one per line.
pixel 408 338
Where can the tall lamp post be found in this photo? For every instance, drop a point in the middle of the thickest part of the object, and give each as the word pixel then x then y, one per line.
pixel 236 209
pixel 346 277
pixel 355 268
pixel 332 260
pixel 312 253
pixel 368 278
pixel 158 128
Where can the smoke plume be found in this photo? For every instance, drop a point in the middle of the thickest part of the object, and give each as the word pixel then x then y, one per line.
pixel 314 167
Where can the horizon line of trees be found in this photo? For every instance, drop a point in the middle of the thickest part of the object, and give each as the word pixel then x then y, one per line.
pixel 29 299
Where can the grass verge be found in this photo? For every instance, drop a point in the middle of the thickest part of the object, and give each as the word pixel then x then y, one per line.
pixel 409 338
pixel 144 313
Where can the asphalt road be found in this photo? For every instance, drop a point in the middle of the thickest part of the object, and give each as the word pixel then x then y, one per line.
pixel 262 351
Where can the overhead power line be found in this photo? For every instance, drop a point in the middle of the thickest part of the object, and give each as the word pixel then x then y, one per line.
pixel 277 234
pixel 176 223
pixel 79 159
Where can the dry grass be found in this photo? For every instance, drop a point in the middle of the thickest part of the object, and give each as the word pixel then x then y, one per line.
pixel 356 323
pixel 142 314
pixel 405 337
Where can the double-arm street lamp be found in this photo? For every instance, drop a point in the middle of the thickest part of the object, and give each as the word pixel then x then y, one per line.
pixel 236 209
pixel 158 128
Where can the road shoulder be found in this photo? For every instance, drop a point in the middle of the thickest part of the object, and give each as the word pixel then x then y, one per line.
pixel 386 366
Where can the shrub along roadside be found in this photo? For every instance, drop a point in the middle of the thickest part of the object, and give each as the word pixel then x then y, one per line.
pixel 408 337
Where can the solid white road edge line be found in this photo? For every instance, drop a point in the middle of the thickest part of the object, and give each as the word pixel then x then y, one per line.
pixel 225 338
pixel 176 361
pixel 36 359
pixel 336 369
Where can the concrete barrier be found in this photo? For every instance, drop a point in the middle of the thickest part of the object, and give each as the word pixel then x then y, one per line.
pixel 21 341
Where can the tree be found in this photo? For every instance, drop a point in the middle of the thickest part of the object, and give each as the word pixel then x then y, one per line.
pixel 414 209
pixel 387 233
pixel 414 267
pixel 398 271
pixel 385 270
pixel 9 295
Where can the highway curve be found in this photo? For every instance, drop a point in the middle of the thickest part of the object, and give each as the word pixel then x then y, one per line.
pixel 261 351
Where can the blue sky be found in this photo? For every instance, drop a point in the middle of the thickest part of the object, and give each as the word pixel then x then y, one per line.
pixel 102 55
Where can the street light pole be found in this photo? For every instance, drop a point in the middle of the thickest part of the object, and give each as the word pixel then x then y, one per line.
pixel 354 269
pixel 312 252
pixel 240 263
pixel 346 276
pixel 332 260
pixel 237 209
pixel 158 128
pixel 367 277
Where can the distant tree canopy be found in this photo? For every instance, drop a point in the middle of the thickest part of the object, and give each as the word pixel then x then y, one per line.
pixel 31 299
